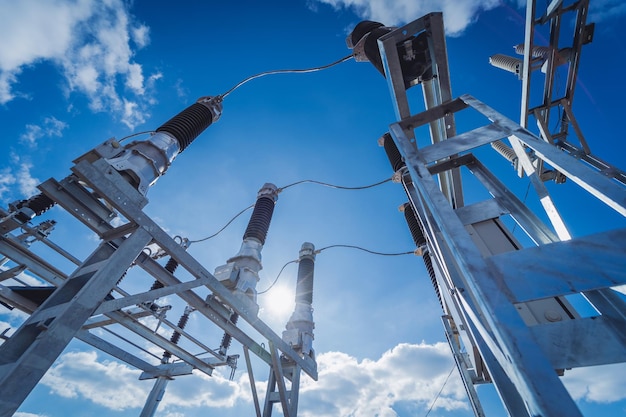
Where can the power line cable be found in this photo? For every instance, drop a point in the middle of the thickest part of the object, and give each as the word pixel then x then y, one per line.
pixel 330 247
pixel 283 71
pixel 340 187
pixel 225 226
pixel 440 391
pixel 277 276
pixel 365 250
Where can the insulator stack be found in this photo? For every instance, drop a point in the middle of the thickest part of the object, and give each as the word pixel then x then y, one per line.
pixel 393 154
pixel 299 329
pixel 304 285
pixel 227 338
pixel 414 226
pixel 537 52
pixel 262 215
pixel 368 33
pixel 418 237
pixel 182 323
pixel 188 124
pixel 413 53
pixel 156 285
pixel 170 267
pixel 507 63
pixel 119 281
pixel 428 262
pixel 362 29
pixel 504 150
pixel 39 204
pixel 110 295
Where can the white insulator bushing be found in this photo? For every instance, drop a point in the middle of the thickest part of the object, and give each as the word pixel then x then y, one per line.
pixel 507 63
pixel 537 52
pixel 504 150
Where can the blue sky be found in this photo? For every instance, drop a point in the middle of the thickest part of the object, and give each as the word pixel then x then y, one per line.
pixel 75 73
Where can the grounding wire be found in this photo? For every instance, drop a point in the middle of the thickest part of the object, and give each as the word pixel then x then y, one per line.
pixel 330 247
pixel 284 71
pixel 339 187
pixel 440 391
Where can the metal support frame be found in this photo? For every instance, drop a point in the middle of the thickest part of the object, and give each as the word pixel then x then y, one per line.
pixel 543 110
pixel 491 289
pixel 506 305
pixel 436 91
pixel 91 296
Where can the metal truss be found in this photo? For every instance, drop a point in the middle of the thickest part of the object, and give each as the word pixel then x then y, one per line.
pixel 554 107
pixel 507 314
pixel 91 302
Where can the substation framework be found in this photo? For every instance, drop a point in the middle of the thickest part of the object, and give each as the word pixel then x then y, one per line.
pixel 106 193
pixel 507 313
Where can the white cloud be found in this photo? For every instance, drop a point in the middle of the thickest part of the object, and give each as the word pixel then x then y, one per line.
pixel 116 386
pixel 601 384
pixel 33 132
pixel 346 386
pixel 37 30
pixel 458 15
pixel 19 414
pixel 51 127
pixel 18 175
pixel 89 40
pixel 6 79
pixel 132 115
pixel 141 35
pixel 6 180
pixel 26 182
pixel 107 383
pixel 200 390
pixel 408 372
pixel 181 91
pixel 135 79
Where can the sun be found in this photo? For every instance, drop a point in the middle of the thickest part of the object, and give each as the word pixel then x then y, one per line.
pixel 279 301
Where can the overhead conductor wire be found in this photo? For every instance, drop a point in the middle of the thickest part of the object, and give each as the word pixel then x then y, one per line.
pixel 339 187
pixel 283 71
pixel 330 247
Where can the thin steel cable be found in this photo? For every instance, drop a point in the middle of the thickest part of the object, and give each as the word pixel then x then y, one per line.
pixel 277 276
pixel 340 187
pixel 440 391
pixel 225 226
pixel 365 250
pixel 330 247
pixel 284 71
